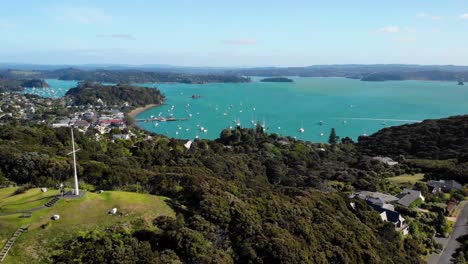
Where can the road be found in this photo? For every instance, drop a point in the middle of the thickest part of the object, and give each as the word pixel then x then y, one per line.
pixel 460 229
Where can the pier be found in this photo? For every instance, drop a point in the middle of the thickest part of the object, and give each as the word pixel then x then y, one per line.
pixel 161 119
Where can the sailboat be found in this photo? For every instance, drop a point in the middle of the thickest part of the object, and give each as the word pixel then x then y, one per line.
pixel 302 130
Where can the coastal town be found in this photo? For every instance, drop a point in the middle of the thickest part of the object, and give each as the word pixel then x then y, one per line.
pixel 102 120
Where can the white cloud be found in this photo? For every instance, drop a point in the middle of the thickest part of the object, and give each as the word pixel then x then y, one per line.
pixel 240 42
pixel 463 16
pixel 80 15
pixel 389 29
pixel 429 16
pixel 116 36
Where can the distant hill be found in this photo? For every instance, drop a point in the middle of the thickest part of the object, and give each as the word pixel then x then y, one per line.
pixel 365 72
pixel 379 72
pixel 125 76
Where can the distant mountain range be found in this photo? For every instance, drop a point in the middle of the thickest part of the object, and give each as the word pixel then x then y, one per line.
pixel 373 72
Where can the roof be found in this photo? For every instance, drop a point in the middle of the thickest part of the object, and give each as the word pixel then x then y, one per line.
pixel 436 184
pixel 390 215
pixel 394 217
pixel 448 184
pixel 81 123
pixel 386 160
pixel 376 195
pixel 111 121
pixel 451 184
pixel 407 197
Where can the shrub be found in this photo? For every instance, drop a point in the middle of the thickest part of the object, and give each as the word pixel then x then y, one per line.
pixel 23 188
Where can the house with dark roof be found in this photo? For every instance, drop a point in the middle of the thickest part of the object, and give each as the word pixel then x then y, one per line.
pixel 443 186
pixel 381 203
pixel 393 217
pixel 407 197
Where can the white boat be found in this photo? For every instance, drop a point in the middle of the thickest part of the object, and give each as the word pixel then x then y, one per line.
pixel 156 124
pixel 321 134
pixel 301 130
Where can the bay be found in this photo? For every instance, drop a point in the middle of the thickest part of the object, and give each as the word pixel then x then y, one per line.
pixel 350 106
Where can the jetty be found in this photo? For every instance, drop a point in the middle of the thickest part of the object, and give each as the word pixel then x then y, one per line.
pixel 161 119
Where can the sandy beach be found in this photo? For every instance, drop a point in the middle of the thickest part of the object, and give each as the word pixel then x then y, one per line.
pixel 138 110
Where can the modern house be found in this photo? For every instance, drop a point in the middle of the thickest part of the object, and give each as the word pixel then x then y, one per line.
pixel 388 214
pixel 381 203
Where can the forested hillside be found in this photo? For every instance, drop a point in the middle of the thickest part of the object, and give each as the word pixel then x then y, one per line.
pixel 250 197
pixel 437 146
pixel 89 92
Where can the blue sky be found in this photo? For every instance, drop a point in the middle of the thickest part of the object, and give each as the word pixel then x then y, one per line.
pixel 234 33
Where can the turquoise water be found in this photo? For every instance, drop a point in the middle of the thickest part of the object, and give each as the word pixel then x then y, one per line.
pixel 350 106
pixel 56 89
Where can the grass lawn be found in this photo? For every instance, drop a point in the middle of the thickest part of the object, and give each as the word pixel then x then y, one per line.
pixel 76 215
pixel 30 199
pixel 407 179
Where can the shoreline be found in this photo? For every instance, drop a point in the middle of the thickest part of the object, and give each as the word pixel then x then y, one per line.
pixel 139 110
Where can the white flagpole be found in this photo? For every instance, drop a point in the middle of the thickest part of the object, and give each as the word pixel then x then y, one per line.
pixel 77 190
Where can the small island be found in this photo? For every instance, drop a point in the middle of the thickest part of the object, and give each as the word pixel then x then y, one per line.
pixel 460 83
pixel 92 93
pixel 277 79
pixel 18 85
pixel 38 83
